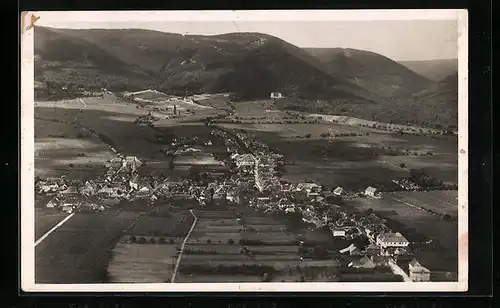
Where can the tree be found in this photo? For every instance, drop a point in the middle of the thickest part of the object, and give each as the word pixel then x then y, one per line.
pixel 230 241
pixel 133 239
pixel 402 165
pixel 142 240
pixel 209 241
pixel 171 241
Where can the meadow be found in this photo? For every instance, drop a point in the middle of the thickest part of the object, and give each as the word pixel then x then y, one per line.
pixel 64 149
pixel 175 225
pixel 46 219
pixel 79 251
pixel 242 249
pixel 142 263
pixel 355 162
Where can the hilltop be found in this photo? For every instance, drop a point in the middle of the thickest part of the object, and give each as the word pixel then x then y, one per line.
pixel 372 71
pixel 251 65
pixel 433 69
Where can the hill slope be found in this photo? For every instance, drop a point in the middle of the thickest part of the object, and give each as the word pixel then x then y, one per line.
pixel 433 69
pixel 372 71
pixel 250 64
pixel 441 100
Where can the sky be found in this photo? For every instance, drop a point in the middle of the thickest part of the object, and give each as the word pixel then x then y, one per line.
pixel 400 40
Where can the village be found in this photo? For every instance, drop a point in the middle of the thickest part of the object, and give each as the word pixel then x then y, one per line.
pixel 248 175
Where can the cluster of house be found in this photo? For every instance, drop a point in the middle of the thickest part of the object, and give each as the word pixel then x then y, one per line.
pixel 408 185
pixel 384 247
pixel 121 180
pixel 67 196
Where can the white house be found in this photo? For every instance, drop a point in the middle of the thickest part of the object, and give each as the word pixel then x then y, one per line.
pixel 418 273
pixel 372 192
pixel 338 232
pixel 312 189
pixel 48 187
pixel 276 95
pixel 339 191
pixel 133 161
pixel 390 239
pixel 54 202
pixel 89 188
pixel 68 209
pixel 243 160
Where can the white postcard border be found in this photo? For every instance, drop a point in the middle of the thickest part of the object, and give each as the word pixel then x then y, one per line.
pixel 27 149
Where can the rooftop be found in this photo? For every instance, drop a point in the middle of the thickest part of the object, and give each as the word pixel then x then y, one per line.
pixel 392 237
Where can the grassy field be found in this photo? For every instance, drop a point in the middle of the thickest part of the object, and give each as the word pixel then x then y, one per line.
pixel 417 225
pixel 176 225
pixel 214 250
pixel 443 167
pixel 142 263
pixel 63 149
pixel 148 251
pixel 112 120
pixel 45 219
pixel 355 162
pixel 79 250
pixel 59 142
pixel 216 101
pixel 442 202
pixel 299 129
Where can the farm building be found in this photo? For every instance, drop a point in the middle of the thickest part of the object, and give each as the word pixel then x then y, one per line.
pixel 68 209
pixel 71 190
pixel 243 160
pixel 390 239
pixel 219 193
pixel 133 162
pixel 312 189
pixel 364 262
pixel 48 187
pixel 144 189
pixel 339 191
pixel 73 202
pixel 276 95
pixel 373 192
pixel 418 273
pixel 90 207
pixel 114 162
pixel 89 188
pixel 108 191
pixel 54 202
pixel 338 232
